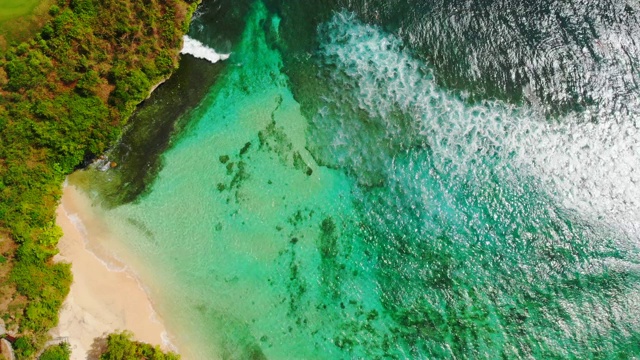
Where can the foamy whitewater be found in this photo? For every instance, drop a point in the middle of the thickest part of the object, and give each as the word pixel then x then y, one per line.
pixel 382 182
pixel 593 168
pixel 199 50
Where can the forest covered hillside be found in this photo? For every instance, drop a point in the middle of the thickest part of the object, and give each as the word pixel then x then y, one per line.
pixel 65 95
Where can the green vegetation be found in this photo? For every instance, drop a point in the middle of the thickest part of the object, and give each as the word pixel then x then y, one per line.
pixel 64 97
pixel 57 352
pixel 10 9
pixel 121 347
pixel 20 19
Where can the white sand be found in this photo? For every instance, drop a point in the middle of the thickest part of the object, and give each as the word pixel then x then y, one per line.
pixel 101 300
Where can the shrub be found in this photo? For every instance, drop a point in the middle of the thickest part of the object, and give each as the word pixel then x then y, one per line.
pixel 54 10
pixel 23 348
pixel 57 352
pixel 121 346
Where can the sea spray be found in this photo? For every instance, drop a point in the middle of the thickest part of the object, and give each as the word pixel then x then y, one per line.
pixel 201 51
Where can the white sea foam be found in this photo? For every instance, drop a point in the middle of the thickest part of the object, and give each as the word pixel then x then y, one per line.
pixel 201 51
pixel 166 342
pixel 589 167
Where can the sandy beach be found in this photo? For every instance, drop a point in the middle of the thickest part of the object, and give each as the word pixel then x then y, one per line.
pixel 104 296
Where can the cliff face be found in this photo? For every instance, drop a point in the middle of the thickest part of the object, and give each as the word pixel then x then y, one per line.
pixel 64 98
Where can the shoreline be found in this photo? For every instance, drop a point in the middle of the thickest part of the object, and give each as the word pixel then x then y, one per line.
pixel 89 313
pixel 105 295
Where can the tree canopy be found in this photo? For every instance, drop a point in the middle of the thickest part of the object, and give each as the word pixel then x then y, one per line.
pixel 64 97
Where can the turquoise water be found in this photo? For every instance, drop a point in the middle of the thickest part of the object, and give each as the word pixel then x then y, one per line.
pixel 342 202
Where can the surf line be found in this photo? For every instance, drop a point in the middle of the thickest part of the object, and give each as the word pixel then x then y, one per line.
pixel 199 50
